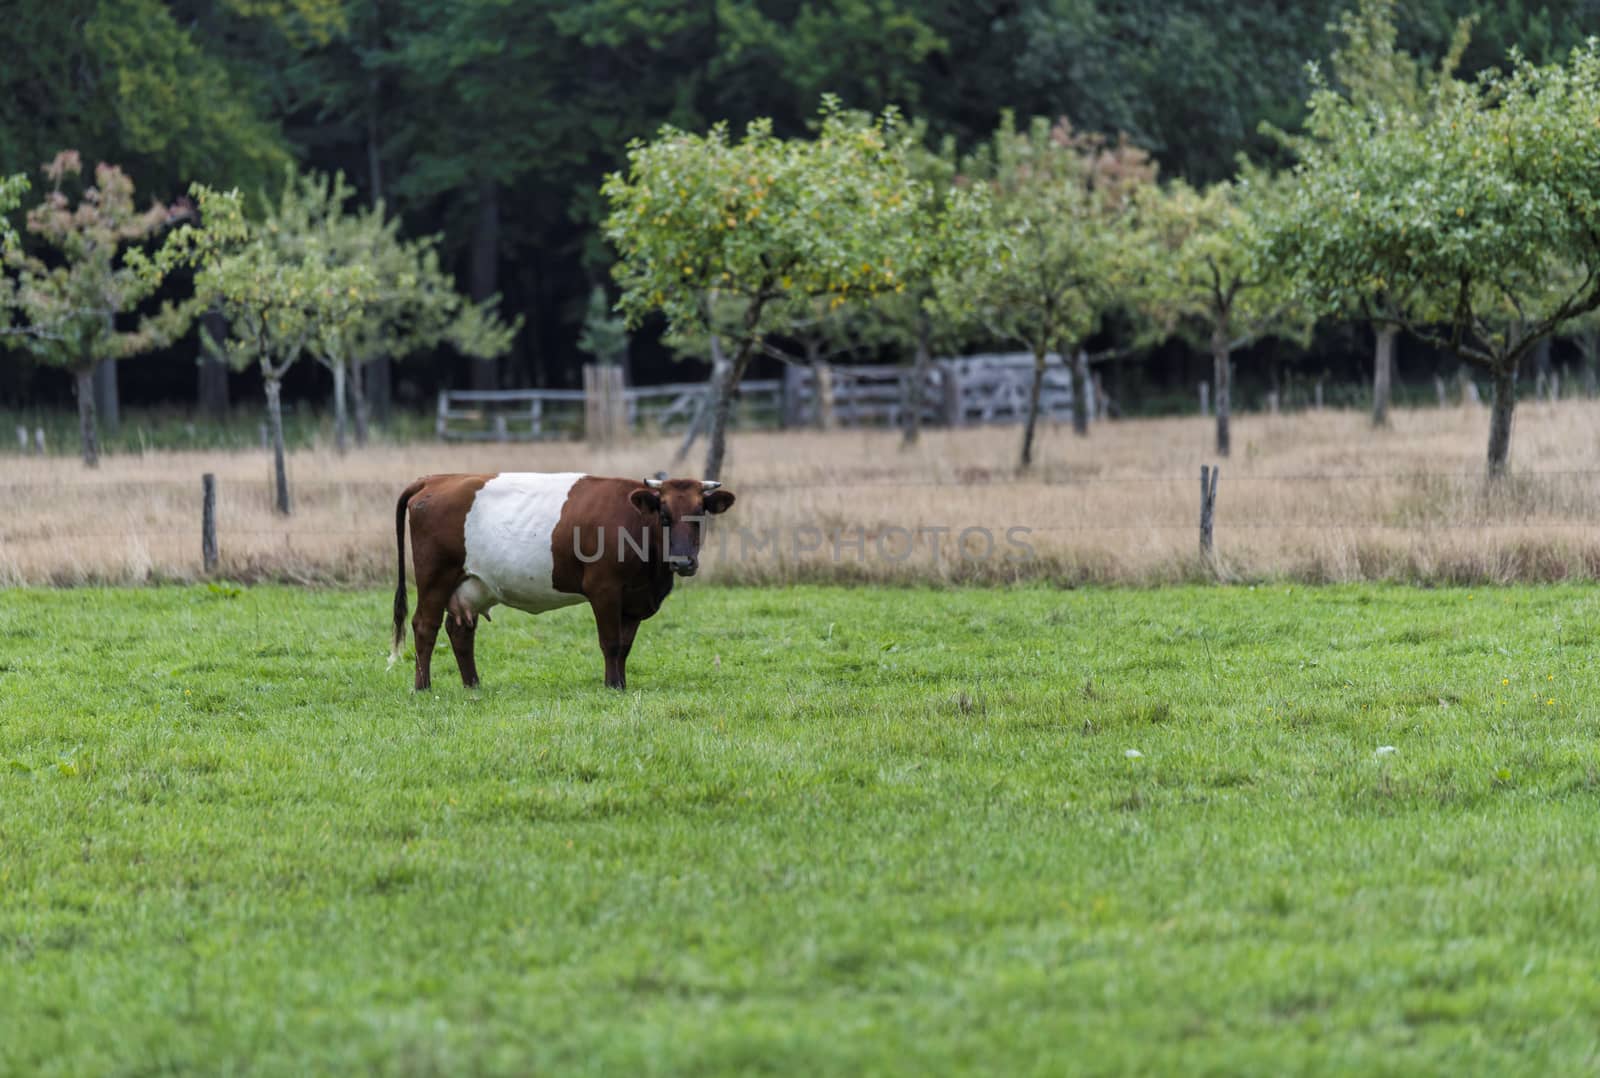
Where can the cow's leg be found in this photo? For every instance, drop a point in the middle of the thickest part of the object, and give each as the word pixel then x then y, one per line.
pixel 425 630
pixel 608 623
pixel 470 600
pixel 462 629
pixel 625 634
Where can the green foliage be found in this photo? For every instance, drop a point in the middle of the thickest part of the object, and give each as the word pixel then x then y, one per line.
pixel 886 831
pixel 1206 275
pixel 308 23
pixel 12 188
pixel 1375 73
pixel 1379 78
pixel 62 302
pixel 761 220
pixel 605 335
pixel 280 288
pixel 1486 207
pixel 1191 80
pixel 952 242
pixel 407 301
pixel 157 77
pixel 870 52
pixel 1054 248
pixel 127 81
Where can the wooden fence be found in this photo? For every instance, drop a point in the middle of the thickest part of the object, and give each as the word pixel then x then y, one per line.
pixel 961 392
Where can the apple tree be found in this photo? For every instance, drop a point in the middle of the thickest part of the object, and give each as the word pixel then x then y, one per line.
pixel 62 301
pixel 705 222
pixel 1054 251
pixel 278 294
pixel 1206 277
pixel 1485 209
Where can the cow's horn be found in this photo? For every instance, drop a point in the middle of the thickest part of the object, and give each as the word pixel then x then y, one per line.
pixel 653 484
pixel 709 484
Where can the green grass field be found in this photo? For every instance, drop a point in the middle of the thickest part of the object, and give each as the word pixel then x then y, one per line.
pixel 824 831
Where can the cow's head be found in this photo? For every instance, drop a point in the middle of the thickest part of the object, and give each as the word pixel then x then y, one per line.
pixel 680 506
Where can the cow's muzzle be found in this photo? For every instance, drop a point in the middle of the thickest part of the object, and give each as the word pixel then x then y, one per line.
pixel 686 566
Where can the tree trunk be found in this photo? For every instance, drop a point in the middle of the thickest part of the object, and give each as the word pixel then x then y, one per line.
pixel 374 143
pixel 1589 346
pixel 1034 394
pixel 822 381
pixel 212 388
pixel 724 383
pixel 213 379
pixel 821 386
pixel 1383 373
pixel 1505 402
pixel 372 384
pixel 358 390
pixel 88 435
pixel 341 408
pixel 280 472
pixel 1081 388
pixel 377 388
pixel 107 402
pixel 919 380
pixel 1222 377
pixel 485 271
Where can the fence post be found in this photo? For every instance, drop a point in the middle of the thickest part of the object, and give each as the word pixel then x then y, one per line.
pixel 616 403
pixel 1208 509
pixel 790 414
pixel 441 420
pixel 824 415
pixel 208 521
pixel 38 440
pixel 23 445
pixel 953 414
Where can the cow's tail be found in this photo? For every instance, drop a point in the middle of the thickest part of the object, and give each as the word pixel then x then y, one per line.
pixel 399 637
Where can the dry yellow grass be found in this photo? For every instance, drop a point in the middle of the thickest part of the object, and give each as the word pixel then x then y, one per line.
pixel 1311 496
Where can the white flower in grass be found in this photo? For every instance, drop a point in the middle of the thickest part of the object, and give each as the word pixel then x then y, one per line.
pixel 1386 750
pixel 1133 754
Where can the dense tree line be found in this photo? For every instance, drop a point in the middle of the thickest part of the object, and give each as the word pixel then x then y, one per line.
pixel 493 123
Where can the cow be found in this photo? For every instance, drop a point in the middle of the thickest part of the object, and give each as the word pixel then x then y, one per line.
pixel 537 541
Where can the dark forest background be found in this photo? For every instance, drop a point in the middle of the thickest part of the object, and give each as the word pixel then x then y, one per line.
pixel 491 123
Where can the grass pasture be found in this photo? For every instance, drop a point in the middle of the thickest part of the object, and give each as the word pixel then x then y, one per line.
pixel 826 830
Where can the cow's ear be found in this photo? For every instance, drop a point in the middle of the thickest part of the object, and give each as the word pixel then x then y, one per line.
pixel 719 501
pixel 647 502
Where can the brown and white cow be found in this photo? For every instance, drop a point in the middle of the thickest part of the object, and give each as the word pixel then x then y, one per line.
pixel 536 541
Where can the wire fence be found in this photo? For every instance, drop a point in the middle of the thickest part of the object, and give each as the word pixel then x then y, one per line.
pixel 1581 513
